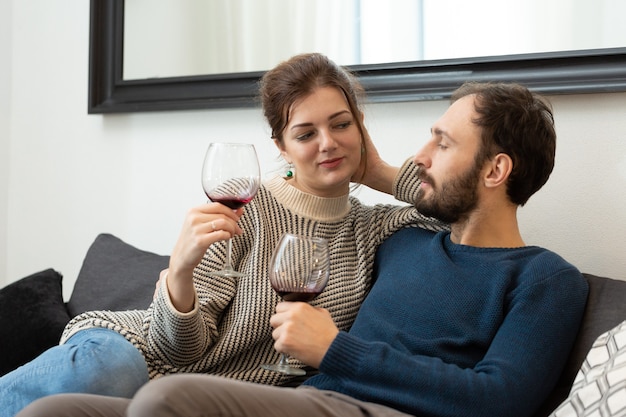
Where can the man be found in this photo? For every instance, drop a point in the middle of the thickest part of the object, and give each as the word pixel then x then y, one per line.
pixel 469 322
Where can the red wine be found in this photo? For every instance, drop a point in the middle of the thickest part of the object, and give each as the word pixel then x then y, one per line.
pixel 305 296
pixel 231 202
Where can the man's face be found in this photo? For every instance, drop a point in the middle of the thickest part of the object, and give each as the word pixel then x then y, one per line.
pixel 449 174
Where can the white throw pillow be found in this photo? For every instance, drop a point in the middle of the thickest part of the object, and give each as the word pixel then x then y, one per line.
pixel 599 389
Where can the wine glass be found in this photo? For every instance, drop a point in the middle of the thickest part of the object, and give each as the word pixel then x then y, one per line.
pixel 299 271
pixel 230 176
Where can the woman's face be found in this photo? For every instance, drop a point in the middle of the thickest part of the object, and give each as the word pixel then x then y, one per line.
pixel 323 142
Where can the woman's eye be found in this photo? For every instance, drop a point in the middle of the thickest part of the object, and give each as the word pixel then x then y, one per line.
pixel 343 125
pixel 304 136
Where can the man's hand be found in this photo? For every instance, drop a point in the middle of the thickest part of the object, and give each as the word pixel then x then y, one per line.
pixel 303 331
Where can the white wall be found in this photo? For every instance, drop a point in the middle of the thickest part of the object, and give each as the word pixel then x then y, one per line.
pixel 5 126
pixel 73 175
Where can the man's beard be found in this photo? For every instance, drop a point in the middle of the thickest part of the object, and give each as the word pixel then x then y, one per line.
pixel 454 200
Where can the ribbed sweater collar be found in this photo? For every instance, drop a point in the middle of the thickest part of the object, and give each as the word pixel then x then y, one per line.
pixel 308 205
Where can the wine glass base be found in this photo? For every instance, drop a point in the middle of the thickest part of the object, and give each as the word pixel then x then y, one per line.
pixel 227 273
pixel 284 369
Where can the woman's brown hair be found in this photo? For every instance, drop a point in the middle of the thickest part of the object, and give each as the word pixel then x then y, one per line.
pixel 298 77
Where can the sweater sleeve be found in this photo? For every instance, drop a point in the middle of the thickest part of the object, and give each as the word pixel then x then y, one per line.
pixel 518 370
pixel 406 184
pixel 183 338
pixel 394 217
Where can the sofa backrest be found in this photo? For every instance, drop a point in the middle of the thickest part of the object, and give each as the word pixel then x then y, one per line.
pixel 605 309
pixel 115 276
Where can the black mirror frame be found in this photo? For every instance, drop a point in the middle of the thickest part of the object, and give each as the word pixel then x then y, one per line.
pixel 569 72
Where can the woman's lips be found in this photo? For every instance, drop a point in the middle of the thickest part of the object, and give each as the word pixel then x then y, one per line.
pixel 331 163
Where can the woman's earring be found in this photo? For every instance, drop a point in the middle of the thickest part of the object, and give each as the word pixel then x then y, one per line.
pixel 289 172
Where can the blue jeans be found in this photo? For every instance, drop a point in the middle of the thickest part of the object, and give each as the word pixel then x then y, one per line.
pixel 94 361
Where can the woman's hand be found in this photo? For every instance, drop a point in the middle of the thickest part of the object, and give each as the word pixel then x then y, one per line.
pixel 160 282
pixel 303 331
pixel 203 226
pixel 375 173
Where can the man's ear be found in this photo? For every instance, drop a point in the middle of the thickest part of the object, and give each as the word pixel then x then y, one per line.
pixel 499 170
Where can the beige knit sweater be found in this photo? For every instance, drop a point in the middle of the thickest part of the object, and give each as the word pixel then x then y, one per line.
pixel 228 332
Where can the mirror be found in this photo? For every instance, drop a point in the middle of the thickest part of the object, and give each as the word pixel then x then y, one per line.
pixel 174 38
pixel 197 37
pixel 598 64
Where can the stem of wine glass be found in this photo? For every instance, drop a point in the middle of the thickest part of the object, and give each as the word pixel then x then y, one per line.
pixel 229 248
pixel 284 361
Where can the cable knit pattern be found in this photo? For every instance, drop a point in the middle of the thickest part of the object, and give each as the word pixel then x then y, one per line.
pixel 228 332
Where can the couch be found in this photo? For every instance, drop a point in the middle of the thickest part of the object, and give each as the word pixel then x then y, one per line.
pixel 119 276
pixel 114 276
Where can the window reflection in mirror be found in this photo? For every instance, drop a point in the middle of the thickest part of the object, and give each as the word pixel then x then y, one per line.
pixel 171 38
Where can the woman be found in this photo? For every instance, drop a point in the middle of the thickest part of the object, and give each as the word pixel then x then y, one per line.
pixel 201 323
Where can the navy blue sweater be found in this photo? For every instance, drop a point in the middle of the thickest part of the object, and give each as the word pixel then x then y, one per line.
pixel 455 330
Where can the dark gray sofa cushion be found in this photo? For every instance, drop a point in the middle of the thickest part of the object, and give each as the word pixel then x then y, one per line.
pixel 115 276
pixel 605 309
pixel 32 317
